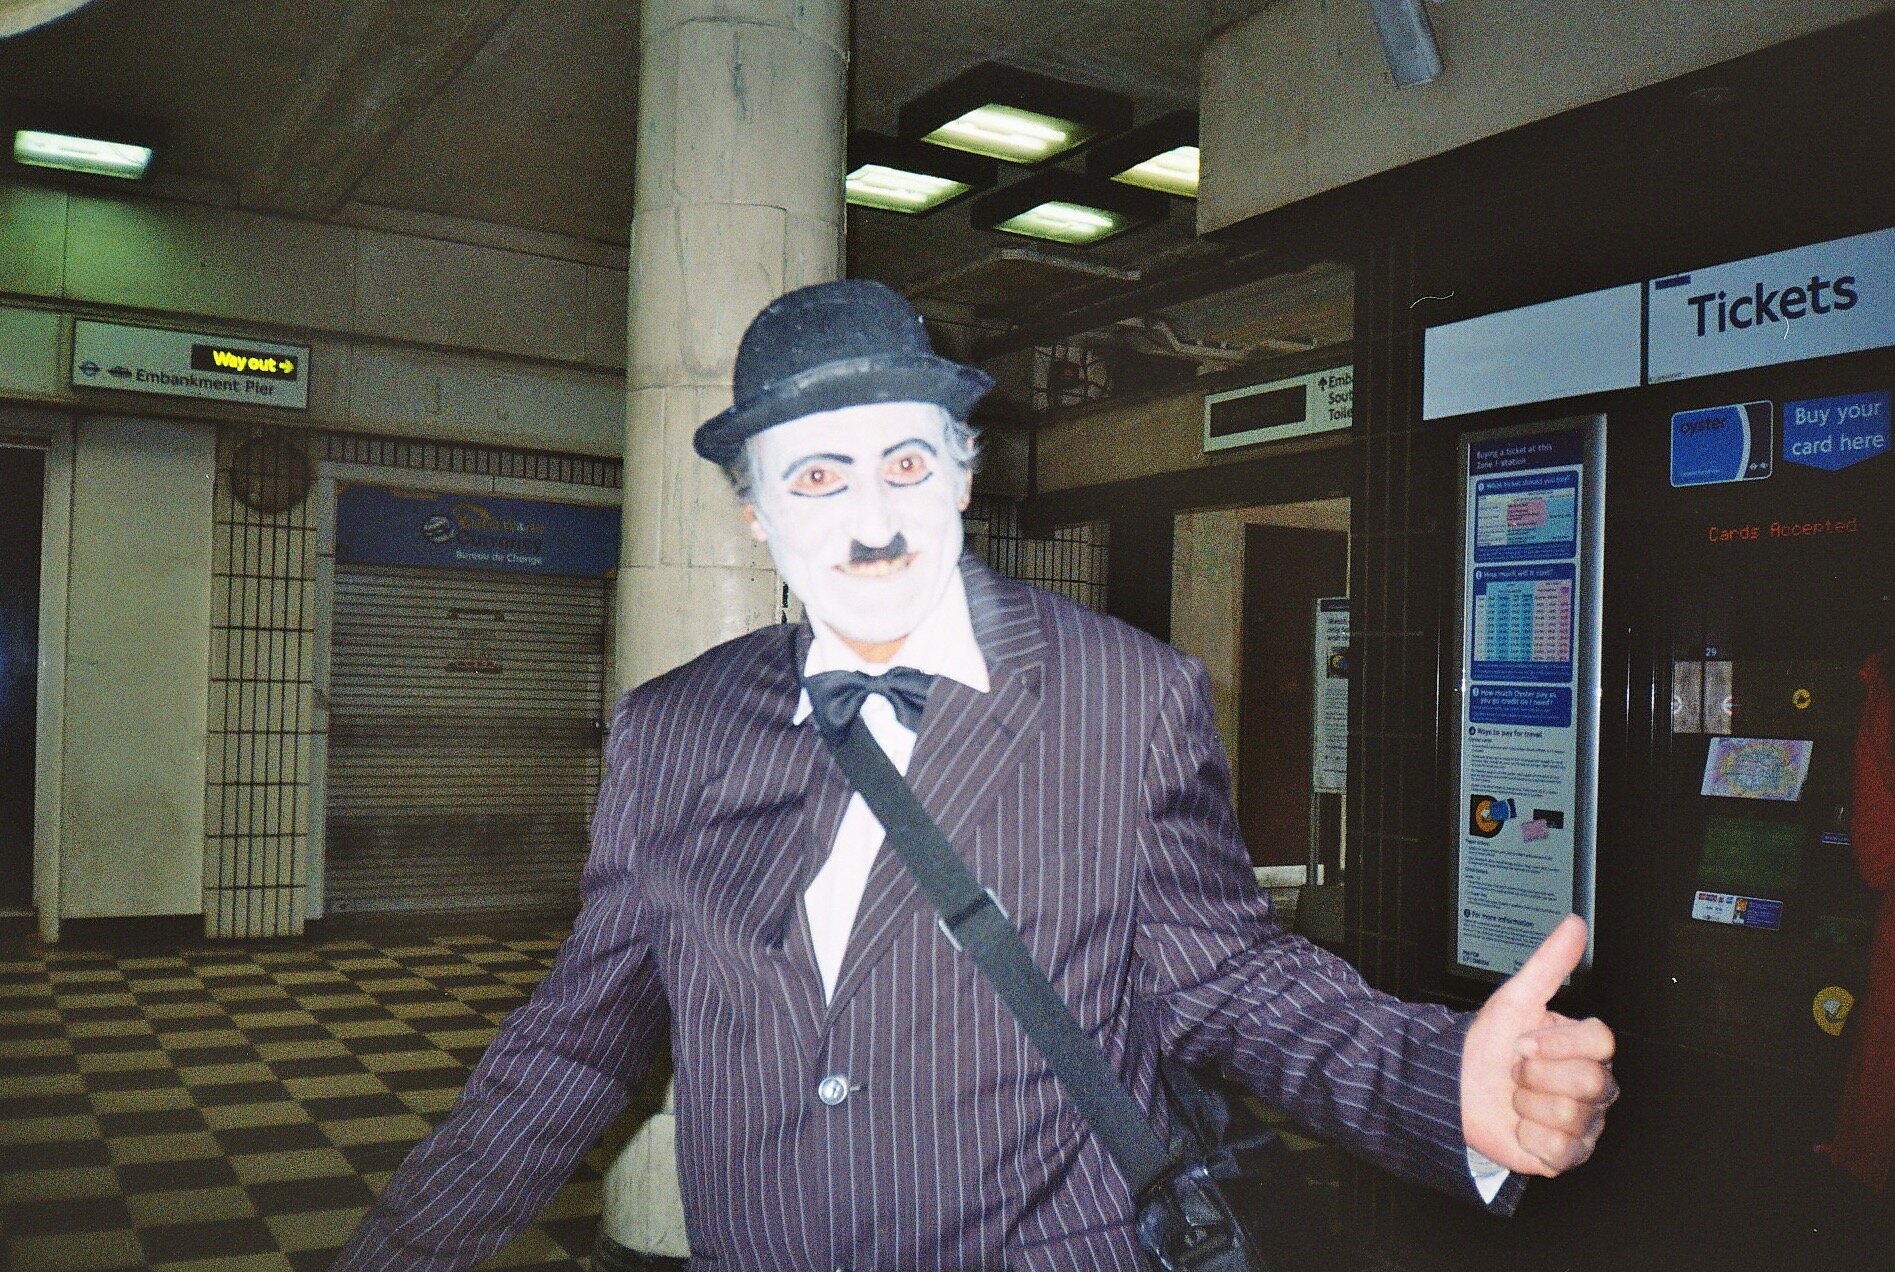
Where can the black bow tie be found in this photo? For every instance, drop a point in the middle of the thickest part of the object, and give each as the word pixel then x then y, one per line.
pixel 835 697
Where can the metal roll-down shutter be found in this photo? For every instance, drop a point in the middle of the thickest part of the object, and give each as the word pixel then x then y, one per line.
pixel 464 740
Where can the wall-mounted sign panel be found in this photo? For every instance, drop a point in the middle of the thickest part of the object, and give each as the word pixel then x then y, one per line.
pixel 1526 738
pixel 377 525
pixel 108 355
pixel 1329 738
pixel 1810 302
pixel 1562 348
pixel 1295 407
pixel 1717 444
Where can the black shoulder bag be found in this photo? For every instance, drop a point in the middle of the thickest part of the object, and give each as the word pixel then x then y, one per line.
pixel 1186 1220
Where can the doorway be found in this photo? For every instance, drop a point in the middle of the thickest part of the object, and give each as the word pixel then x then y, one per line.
pixel 22 506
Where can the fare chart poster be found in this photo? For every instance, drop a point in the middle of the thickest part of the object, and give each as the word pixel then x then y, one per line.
pixel 1532 503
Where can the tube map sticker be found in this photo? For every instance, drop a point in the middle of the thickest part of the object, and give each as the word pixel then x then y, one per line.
pixel 1523 811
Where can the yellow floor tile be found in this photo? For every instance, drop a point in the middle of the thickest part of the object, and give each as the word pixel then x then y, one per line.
pixel 366 964
pixel 337 1084
pixel 531 1246
pixel 199 1075
pixel 175 1147
pixel 301 1163
pixel 425 1011
pixel 392 984
pixel 182 1011
pixel 269 1262
pixel 149 1100
pixel 189 1205
pixel 460 1037
pixel 168 984
pixel 80 1251
pixel 190 1038
pixel 324 1002
pixel 122 1061
pixel 13 1048
pixel 368 1028
pixel 316 1230
pixel 41 1130
pixel 269 1019
pixel 582 1197
pixel 405 1127
pixel 64 1184
pixel 434 1101
pixel 403 1061
pixel 108 1028
pixel 224 1117
pixel 323 977
pixel 115 998
pixel 154 963
pixel 310 1049
pixel 244 993
pixel 47 1084
pixel 475 993
pixel 28 1016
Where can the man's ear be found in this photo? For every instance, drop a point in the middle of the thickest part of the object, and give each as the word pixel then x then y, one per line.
pixel 967 490
pixel 752 520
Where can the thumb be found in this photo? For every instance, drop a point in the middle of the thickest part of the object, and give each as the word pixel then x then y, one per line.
pixel 1541 976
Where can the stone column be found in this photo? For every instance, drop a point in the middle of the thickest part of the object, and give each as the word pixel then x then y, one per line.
pixel 741 121
pixel 738 199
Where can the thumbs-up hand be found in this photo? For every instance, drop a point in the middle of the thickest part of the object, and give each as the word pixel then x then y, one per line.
pixel 1535 1085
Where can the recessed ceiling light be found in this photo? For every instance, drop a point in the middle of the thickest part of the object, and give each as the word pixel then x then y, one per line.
pixel 1019 116
pixel 1064 207
pixel 903 176
pixel 1161 155
pixel 94 155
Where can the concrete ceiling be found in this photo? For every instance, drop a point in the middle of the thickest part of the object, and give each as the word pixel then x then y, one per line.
pixel 513 119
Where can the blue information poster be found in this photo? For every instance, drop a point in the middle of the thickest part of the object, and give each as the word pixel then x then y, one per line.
pixel 1524 810
pixel 383 526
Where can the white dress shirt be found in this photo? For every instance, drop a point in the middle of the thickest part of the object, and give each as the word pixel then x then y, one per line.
pixel 943 645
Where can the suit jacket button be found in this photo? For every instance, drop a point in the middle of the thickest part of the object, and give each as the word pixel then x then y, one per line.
pixel 833 1089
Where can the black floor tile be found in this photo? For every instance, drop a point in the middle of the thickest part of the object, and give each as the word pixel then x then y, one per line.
pixel 271 1139
pixel 150 1122
pixel 56 1155
pixel 298 1196
pixel 80 1214
pixel 239 1093
pixel 344 1107
pixel 208 1239
pixel 199 1172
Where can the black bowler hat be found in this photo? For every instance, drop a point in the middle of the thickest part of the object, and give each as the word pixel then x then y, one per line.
pixel 833 345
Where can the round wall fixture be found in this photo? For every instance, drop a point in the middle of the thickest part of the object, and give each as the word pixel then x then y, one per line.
pixel 270 474
pixel 23 15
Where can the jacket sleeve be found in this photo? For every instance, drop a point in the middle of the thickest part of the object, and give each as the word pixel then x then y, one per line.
pixel 555 1074
pixel 1295 1024
pixel 1872 811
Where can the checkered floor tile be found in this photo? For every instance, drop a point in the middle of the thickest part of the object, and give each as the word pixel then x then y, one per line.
pixel 232 1108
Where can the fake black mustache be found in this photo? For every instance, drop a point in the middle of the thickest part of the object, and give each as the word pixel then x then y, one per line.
pixel 893 550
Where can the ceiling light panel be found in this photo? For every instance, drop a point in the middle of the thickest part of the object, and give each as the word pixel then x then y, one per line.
pixel 1020 116
pixel 92 155
pixel 1161 155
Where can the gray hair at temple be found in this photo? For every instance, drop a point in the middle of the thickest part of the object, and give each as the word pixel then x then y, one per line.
pixel 963 447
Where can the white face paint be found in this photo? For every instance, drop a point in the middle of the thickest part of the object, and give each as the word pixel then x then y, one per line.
pixel 836 490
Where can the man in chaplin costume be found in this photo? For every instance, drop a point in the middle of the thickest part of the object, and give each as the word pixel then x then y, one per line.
pixel 851 1093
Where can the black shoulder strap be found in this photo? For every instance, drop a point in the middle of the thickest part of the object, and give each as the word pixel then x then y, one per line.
pixel 977 925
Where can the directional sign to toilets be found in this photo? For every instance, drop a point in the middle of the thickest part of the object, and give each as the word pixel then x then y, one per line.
pixel 1835 432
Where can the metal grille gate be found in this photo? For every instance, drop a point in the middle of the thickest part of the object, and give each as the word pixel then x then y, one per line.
pixel 464 741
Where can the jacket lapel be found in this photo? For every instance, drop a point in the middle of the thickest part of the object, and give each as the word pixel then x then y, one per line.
pixel 968 740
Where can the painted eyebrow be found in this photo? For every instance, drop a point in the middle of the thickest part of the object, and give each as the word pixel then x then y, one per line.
pixel 913 441
pixel 831 456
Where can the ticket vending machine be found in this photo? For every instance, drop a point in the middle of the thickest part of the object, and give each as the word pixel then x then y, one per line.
pixel 1748 545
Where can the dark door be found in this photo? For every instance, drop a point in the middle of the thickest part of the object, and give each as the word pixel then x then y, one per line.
pixel 22 495
pixel 1286 571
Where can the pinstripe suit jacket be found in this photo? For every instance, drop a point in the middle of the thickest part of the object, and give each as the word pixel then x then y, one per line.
pixel 1088 790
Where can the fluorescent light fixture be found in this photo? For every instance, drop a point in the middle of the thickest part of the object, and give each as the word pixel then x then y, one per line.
pixel 1019 116
pixel 892 190
pixel 1161 155
pixel 903 176
pixel 80 154
pixel 1064 207
pixel 1007 132
pixel 1063 222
